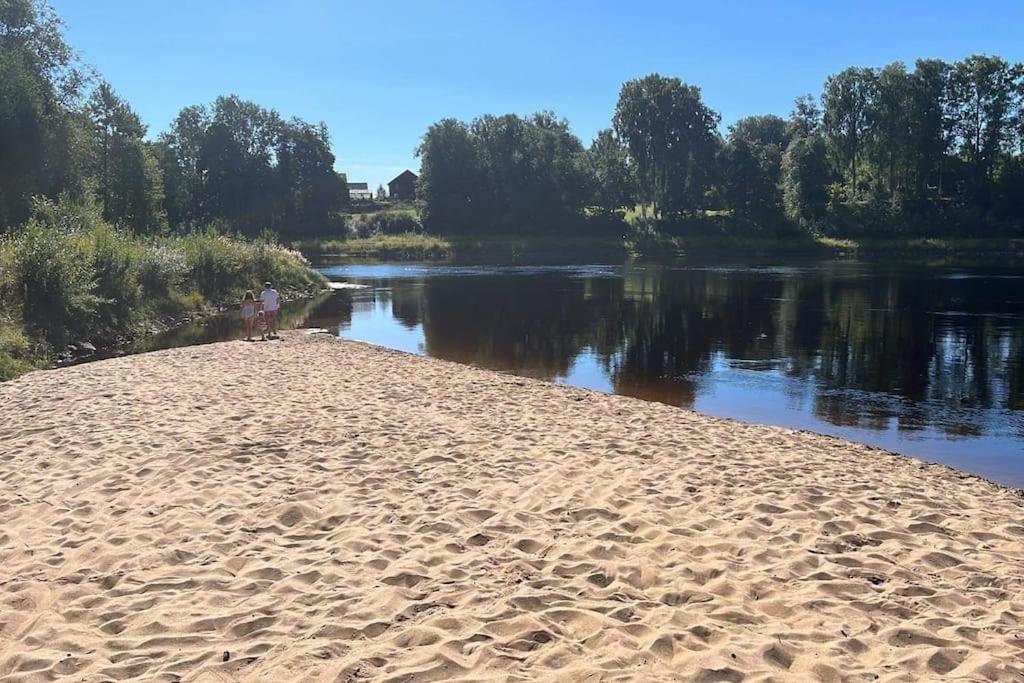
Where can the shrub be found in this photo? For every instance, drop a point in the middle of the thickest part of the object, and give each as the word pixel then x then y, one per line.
pixel 54 282
pixel 384 223
pixel 115 266
pixel 161 270
pixel 17 353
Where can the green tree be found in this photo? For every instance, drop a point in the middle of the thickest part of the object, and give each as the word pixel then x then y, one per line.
pixel 805 177
pixel 752 168
pixel 41 139
pixel 983 92
pixel 181 159
pixel 130 182
pixel 806 117
pixel 671 138
pixel 891 122
pixel 613 177
pixel 848 102
pixel 929 133
pixel 449 178
pixel 309 188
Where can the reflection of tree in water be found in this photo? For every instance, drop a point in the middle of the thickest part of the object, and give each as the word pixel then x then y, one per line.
pixel 533 325
pixel 873 347
pixel 329 312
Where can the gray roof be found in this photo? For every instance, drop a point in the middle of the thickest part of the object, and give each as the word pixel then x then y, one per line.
pixel 358 186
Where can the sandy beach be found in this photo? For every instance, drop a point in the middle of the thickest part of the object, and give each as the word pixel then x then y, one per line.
pixel 311 509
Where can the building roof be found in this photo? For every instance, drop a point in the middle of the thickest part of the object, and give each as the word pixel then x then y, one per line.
pixel 358 186
pixel 404 174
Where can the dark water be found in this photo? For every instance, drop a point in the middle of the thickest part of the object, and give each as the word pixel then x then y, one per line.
pixel 927 361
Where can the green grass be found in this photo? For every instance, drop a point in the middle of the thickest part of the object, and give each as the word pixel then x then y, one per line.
pixel 410 246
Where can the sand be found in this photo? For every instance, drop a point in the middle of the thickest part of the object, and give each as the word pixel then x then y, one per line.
pixel 320 510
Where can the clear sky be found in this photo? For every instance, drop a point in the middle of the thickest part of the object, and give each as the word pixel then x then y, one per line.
pixel 378 73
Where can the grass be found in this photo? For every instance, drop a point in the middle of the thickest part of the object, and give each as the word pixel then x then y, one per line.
pixel 409 246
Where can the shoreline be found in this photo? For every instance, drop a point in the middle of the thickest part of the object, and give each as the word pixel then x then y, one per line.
pixel 361 511
pixel 436 248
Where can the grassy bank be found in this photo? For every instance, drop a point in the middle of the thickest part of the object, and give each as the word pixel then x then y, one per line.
pixel 408 246
pixel 423 247
pixel 68 277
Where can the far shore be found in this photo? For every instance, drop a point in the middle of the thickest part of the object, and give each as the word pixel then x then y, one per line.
pixel 427 247
pixel 314 509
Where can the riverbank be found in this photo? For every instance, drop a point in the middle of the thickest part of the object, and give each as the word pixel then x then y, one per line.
pixel 75 286
pixel 314 508
pixel 540 248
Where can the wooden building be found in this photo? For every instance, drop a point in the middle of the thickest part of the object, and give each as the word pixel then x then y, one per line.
pixel 403 187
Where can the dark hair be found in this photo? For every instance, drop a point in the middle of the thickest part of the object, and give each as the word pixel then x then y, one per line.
pixel 267 284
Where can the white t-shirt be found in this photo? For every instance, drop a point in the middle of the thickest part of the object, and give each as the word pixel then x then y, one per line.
pixel 271 299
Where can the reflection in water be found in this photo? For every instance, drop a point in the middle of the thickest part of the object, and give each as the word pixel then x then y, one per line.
pixel 926 361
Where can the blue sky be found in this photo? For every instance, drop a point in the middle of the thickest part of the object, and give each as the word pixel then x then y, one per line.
pixel 379 73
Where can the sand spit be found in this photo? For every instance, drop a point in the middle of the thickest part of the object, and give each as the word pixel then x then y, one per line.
pixel 317 510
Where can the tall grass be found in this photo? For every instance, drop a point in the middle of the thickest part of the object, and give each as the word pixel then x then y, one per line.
pixel 67 276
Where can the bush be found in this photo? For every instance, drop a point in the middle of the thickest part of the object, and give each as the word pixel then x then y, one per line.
pixel 54 282
pixel 115 265
pixel 17 353
pixel 161 270
pixel 384 223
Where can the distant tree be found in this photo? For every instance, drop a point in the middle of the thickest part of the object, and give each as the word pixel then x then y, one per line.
pixel 983 92
pixel 891 126
pixel 382 194
pixel 805 178
pixel 613 175
pixel 181 159
pixel 671 138
pixel 240 183
pixel 130 183
pixel 929 136
pixel 449 178
pixel 806 117
pixel 752 167
pixel 848 100
pixel 308 189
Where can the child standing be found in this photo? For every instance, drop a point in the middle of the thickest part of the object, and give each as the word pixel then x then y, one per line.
pixel 249 313
pixel 261 325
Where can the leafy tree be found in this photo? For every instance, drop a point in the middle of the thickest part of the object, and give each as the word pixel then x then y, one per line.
pixel 753 164
pixel 805 177
pixel 982 92
pixel 806 117
pixel 181 159
pixel 309 188
pixel 848 101
pixel 890 112
pixel 41 139
pixel 382 194
pixel 671 138
pixel 449 178
pixel 613 175
pixel 929 136
pixel 130 180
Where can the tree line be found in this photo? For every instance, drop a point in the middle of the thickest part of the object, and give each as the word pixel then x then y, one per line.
pixel 65 131
pixel 934 150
